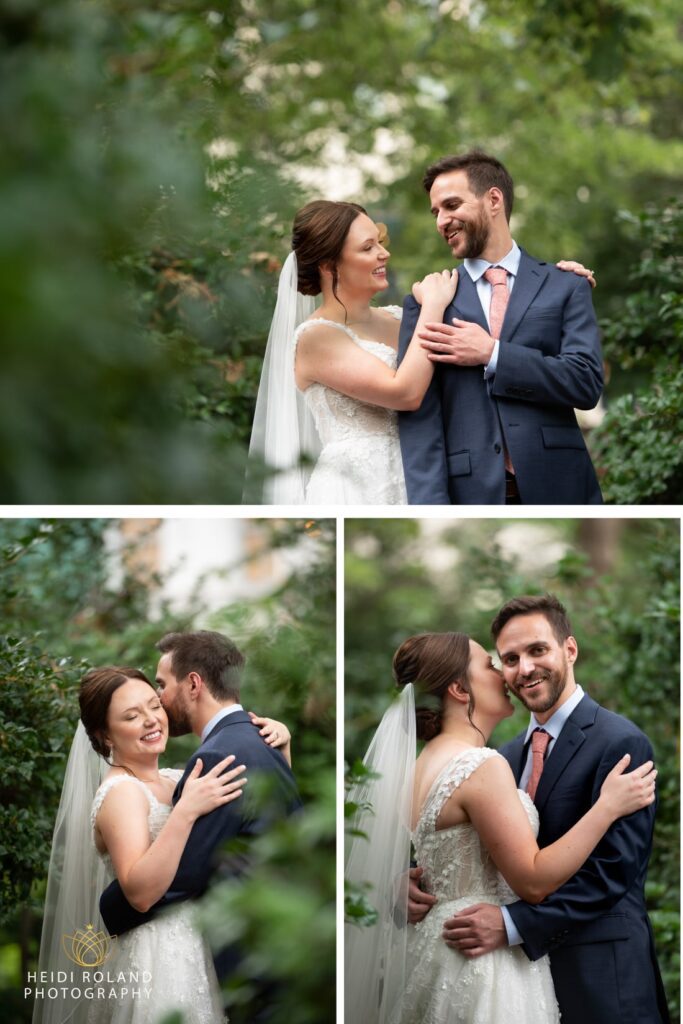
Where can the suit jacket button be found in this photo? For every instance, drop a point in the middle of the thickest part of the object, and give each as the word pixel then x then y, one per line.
pixel 497 448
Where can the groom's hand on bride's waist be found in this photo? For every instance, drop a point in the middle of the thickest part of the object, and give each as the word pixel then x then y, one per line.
pixel 477 929
pixel 419 902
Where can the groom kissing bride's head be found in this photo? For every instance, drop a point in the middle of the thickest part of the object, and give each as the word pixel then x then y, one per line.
pixel 161 832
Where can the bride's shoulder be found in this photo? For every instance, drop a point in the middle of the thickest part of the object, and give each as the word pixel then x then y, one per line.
pixel 112 782
pixel 319 328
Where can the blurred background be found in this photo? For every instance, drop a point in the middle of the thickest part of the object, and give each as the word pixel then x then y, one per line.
pixel 154 155
pixel 82 592
pixel 619 580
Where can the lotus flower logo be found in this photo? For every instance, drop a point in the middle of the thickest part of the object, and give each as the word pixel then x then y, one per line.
pixel 87 948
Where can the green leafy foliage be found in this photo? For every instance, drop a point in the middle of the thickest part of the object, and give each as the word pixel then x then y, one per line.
pixel 638 446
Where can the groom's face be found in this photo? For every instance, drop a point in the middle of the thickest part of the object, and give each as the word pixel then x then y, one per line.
pixel 536 666
pixel 173 696
pixel 461 217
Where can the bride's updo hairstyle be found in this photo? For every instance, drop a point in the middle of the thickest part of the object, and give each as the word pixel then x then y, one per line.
pixel 318 235
pixel 97 687
pixel 431 662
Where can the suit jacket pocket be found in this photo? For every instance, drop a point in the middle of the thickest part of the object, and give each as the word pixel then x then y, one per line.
pixel 543 313
pixel 459 464
pixel 562 437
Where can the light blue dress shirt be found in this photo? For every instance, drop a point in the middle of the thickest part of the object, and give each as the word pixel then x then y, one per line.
pixel 476 269
pixel 217 718
pixel 554 726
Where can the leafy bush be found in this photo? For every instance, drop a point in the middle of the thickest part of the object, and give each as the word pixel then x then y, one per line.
pixel 638 446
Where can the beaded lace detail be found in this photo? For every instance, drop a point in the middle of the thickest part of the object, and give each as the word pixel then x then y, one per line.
pixel 361 457
pixel 442 985
pixel 169 948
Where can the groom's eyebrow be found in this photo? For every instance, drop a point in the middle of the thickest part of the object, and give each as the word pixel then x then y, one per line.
pixel 444 202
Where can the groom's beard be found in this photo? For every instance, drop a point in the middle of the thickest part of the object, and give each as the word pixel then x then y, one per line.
pixel 178 721
pixel 476 238
pixel 557 680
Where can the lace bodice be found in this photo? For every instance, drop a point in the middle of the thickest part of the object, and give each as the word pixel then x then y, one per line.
pixel 360 459
pixel 455 863
pixel 338 417
pixel 168 948
pixel 158 812
pixel 444 986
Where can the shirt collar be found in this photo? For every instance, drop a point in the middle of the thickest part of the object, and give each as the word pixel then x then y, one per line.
pixel 556 722
pixel 476 268
pixel 218 717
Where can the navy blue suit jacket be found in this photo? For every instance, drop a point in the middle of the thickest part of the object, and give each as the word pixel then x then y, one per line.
pixel 595 927
pixel 549 363
pixel 243 818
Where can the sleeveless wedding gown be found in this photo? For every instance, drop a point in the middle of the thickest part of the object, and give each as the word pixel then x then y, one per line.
pixel 443 986
pixel 360 462
pixel 170 948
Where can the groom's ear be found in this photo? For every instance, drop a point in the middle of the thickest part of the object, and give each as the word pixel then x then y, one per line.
pixel 572 649
pixel 496 201
pixel 196 683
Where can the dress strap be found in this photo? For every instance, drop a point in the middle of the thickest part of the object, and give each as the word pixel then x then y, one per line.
pixel 321 320
pixel 395 311
pixel 452 775
pixel 108 785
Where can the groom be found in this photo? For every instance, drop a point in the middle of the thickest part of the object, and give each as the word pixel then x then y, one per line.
pixel 595 927
pixel 517 352
pixel 198 680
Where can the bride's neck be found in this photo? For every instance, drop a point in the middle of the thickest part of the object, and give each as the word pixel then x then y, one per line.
pixel 146 769
pixel 350 309
pixel 462 730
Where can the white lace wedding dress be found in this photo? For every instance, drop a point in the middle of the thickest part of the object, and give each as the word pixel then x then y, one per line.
pixel 170 948
pixel 360 462
pixel 443 986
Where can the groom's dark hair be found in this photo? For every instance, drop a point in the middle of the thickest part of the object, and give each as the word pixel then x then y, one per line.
pixel 215 658
pixel 541 604
pixel 483 172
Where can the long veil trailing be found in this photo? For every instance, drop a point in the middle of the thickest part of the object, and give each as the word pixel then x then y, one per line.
pixel 283 433
pixel 375 956
pixel 76 878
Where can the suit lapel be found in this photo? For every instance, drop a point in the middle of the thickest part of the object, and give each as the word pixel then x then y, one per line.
pixel 514 755
pixel 530 277
pixel 466 305
pixel 569 742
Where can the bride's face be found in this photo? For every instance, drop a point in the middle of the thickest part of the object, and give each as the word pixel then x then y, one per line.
pixel 362 264
pixel 136 721
pixel 488 686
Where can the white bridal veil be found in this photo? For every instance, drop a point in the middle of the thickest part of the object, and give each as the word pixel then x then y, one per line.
pixel 375 956
pixel 283 431
pixel 76 878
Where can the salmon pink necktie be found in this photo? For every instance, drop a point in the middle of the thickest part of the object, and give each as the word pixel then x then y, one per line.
pixel 497 277
pixel 539 744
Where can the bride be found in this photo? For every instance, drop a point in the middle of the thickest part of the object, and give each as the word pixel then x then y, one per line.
pixel 326 411
pixel 116 818
pixel 439 802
